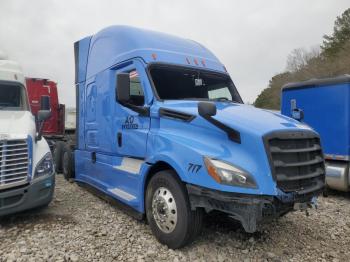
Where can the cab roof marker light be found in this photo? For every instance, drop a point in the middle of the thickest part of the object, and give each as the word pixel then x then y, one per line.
pixel 154 56
pixel 203 62
pixel 195 61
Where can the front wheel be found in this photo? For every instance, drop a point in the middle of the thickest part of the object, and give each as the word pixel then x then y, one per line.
pixel 168 211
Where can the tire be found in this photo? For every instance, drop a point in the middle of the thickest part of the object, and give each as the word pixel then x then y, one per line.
pixel 178 230
pixel 325 192
pixel 57 155
pixel 68 163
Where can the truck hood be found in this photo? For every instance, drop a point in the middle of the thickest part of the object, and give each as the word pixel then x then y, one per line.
pixel 243 118
pixel 17 123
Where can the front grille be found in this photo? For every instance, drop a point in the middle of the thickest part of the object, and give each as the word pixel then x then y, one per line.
pixel 296 161
pixel 14 162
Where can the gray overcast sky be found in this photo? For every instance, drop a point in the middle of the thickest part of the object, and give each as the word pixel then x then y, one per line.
pixel 252 37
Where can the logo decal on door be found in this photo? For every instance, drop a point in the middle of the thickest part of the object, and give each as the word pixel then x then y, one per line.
pixel 129 123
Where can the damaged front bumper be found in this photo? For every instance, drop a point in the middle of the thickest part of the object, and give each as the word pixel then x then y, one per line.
pixel 250 210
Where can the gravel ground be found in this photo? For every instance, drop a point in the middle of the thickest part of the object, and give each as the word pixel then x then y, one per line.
pixel 78 226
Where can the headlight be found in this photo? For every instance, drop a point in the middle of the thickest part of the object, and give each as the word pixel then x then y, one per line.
pixel 44 167
pixel 228 174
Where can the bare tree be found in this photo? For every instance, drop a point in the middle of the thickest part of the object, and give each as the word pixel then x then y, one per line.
pixel 300 58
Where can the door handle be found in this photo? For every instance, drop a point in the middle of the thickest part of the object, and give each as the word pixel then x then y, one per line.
pixel 93 157
pixel 119 136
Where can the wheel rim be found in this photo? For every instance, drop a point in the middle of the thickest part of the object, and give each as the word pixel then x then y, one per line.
pixel 164 209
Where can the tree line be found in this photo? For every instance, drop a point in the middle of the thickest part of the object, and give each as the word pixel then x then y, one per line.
pixel 331 58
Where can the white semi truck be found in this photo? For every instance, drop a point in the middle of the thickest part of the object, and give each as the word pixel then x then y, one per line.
pixel 27 176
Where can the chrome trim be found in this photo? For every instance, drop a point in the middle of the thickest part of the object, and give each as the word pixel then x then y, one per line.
pixel 122 194
pixel 130 165
pixel 14 167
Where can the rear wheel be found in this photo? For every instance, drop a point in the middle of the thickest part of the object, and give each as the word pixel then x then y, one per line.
pixel 57 155
pixel 68 163
pixel 325 192
pixel 168 211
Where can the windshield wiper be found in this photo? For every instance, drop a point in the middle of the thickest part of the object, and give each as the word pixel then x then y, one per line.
pixel 193 98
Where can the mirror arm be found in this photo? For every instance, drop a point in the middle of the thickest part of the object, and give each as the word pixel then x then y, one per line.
pixel 207 111
pixel 40 131
pixel 232 134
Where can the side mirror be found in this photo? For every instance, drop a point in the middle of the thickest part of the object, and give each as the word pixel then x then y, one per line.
pixel 298 114
pixel 45 103
pixel 206 109
pixel 43 115
pixel 123 87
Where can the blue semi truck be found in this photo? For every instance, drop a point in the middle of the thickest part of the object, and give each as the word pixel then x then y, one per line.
pixel 324 104
pixel 162 129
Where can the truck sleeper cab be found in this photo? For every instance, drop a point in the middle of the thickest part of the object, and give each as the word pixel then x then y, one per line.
pixel 162 128
pixel 27 177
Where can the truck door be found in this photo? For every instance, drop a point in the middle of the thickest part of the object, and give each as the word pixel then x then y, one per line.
pixel 132 127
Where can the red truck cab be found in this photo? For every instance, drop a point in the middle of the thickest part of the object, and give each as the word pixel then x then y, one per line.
pixel 60 139
pixel 36 88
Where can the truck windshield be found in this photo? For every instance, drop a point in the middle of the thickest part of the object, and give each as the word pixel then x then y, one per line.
pixel 12 97
pixel 175 83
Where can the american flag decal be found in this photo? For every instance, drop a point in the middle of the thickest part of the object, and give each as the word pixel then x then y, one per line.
pixel 133 74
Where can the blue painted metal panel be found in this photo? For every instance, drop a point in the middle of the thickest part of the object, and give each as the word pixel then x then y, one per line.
pixel 180 143
pixel 116 44
pixel 83 54
pixel 326 109
pixel 80 115
pixel 104 176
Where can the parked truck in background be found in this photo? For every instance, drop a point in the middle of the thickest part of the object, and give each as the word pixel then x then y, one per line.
pixel 324 104
pixel 162 129
pixel 59 133
pixel 67 157
pixel 27 176
pixel 36 87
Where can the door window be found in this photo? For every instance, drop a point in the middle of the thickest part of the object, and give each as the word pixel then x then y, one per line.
pixel 137 96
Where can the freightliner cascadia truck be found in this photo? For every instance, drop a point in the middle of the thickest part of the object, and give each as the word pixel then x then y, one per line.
pixel 162 129
pixel 27 177
pixel 324 104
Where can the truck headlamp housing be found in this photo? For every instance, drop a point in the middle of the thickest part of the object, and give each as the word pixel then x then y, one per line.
pixel 228 174
pixel 44 167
